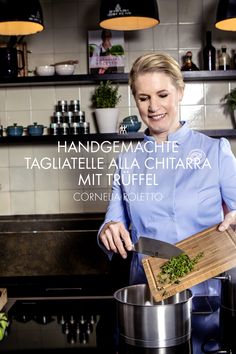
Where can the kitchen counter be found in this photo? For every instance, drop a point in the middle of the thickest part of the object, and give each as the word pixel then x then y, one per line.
pixel 60 288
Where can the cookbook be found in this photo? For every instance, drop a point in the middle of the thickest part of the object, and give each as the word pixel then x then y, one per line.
pixel 106 51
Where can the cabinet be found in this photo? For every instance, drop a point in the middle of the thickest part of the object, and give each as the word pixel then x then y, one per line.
pixel 191 76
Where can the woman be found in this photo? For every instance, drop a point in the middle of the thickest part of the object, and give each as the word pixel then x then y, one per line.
pixel 101 55
pixel 192 174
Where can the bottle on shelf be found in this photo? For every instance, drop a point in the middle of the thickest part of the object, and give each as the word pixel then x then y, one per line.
pixel 224 59
pixel 188 63
pixel 209 54
pixel 234 59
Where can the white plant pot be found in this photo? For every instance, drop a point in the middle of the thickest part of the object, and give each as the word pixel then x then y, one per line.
pixel 107 119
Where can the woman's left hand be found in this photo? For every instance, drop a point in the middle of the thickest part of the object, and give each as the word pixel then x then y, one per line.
pixel 230 219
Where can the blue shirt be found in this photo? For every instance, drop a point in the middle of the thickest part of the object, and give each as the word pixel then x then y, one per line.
pixel 173 190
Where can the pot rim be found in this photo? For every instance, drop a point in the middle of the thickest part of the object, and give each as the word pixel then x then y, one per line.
pixel 159 304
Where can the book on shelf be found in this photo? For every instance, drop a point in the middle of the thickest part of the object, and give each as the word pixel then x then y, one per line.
pixel 106 52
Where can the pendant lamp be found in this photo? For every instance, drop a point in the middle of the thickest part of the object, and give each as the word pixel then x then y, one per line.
pixel 226 15
pixel 20 17
pixel 126 15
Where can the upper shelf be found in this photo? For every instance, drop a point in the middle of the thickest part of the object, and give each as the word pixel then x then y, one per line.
pixel 117 77
pixel 215 75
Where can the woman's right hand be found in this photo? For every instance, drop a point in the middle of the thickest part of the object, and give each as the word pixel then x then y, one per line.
pixel 116 238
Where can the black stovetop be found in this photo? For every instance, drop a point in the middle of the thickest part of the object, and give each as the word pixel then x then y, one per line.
pixel 61 325
pixel 88 325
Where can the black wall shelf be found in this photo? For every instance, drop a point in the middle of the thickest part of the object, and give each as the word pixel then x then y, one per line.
pixel 190 76
pixel 215 75
pixel 50 139
pixel 84 79
pixel 57 80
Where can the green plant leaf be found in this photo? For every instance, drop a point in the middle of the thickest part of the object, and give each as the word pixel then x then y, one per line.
pixel 230 100
pixel 105 95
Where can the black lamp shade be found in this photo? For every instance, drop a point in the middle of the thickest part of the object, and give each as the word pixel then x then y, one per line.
pixel 20 17
pixel 128 15
pixel 226 15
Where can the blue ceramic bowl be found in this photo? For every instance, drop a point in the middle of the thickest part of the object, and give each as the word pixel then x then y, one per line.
pixel 130 119
pixel 131 127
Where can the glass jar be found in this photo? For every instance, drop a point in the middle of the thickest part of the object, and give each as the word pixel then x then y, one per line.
pixel 80 116
pixel 54 129
pixel 188 63
pixel 75 128
pixel 64 129
pixel 57 117
pixel 224 59
pixel 74 105
pixel 86 128
pixel 62 106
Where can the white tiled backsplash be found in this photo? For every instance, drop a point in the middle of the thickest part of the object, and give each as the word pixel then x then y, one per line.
pixel 183 25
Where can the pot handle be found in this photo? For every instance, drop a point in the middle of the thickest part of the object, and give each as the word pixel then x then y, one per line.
pixel 223 277
pixel 213 342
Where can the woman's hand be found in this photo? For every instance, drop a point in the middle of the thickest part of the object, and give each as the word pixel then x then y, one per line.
pixel 116 238
pixel 230 219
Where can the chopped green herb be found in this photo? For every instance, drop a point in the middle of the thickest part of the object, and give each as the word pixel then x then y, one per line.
pixel 176 268
pixel 4 323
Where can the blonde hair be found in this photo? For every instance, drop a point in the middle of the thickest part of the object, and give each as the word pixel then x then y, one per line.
pixel 156 62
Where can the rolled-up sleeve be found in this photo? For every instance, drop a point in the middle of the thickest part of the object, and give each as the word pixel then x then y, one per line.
pixel 116 211
pixel 227 169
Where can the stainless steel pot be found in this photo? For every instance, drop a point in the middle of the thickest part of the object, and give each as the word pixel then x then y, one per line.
pixel 146 323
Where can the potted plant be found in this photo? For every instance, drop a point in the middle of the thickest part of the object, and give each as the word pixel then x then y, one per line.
pixel 229 104
pixel 105 99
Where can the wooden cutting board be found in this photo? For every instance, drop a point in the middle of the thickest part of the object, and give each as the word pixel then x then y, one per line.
pixel 219 256
pixel 3 297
